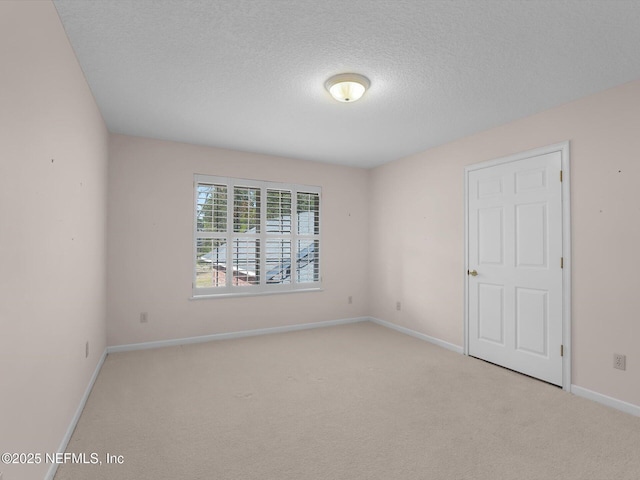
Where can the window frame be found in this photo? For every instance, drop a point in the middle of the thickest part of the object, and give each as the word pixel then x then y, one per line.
pixel 263 288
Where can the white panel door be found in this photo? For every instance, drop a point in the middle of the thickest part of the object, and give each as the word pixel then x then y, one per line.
pixel 514 257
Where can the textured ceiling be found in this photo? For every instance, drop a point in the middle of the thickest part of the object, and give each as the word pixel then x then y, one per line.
pixel 249 74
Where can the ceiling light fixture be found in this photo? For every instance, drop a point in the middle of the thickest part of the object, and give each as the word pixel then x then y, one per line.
pixel 347 87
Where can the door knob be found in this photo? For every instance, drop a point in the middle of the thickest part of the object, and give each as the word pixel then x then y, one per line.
pixel 473 273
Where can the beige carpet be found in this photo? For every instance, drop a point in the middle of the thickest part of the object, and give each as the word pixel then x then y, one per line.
pixel 351 402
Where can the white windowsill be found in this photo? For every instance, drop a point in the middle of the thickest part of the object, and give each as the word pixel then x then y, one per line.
pixel 254 294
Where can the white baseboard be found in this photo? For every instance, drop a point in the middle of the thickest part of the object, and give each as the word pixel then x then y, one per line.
pixel 421 336
pixel 74 421
pixel 230 335
pixel 606 400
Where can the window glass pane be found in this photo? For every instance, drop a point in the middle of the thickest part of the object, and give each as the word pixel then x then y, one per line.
pixel 246 261
pixel 278 211
pixel 246 210
pixel 211 208
pixel 308 207
pixel 211 263
pixel 278 260
pixel 308 261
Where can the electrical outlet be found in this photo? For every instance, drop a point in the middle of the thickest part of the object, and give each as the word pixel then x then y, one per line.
pixel 619 361
pixel 350 300
pixel 86 355
pixel 398 306
pixel 144 317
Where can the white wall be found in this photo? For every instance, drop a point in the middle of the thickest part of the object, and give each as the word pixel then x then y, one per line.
pixel 417 232
pixel 53 156
pixel 150 235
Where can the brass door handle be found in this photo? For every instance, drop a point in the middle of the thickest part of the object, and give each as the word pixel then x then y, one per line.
pixel 473 273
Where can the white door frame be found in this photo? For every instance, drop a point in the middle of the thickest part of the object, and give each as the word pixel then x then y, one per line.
pixel 563 148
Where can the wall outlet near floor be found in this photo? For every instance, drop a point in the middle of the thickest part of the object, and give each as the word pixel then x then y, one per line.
pixel 350 300
pixel 398 306
pixel 86 355
pixel 619 361
pixel 144 317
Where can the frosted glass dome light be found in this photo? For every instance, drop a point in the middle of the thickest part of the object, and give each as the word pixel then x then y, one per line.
pixel 347 87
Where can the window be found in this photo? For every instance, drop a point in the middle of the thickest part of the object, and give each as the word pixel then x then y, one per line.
pixel 255 237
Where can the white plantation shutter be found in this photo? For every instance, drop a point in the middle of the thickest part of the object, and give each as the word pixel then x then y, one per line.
pixel 211 259
pixel 211 208
pixel 278 259
pixel 278 211
pixel 246 209
pixel 278 245
pixel 246 261
pixel 308 266
pixel 211 233
pixel 308 213
pixel 308 251
pixel 254 237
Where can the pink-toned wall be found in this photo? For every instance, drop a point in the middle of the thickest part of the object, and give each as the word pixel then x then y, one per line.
pixel 417 232
pixel 391 234
pixel 53 173
pixel 150 242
